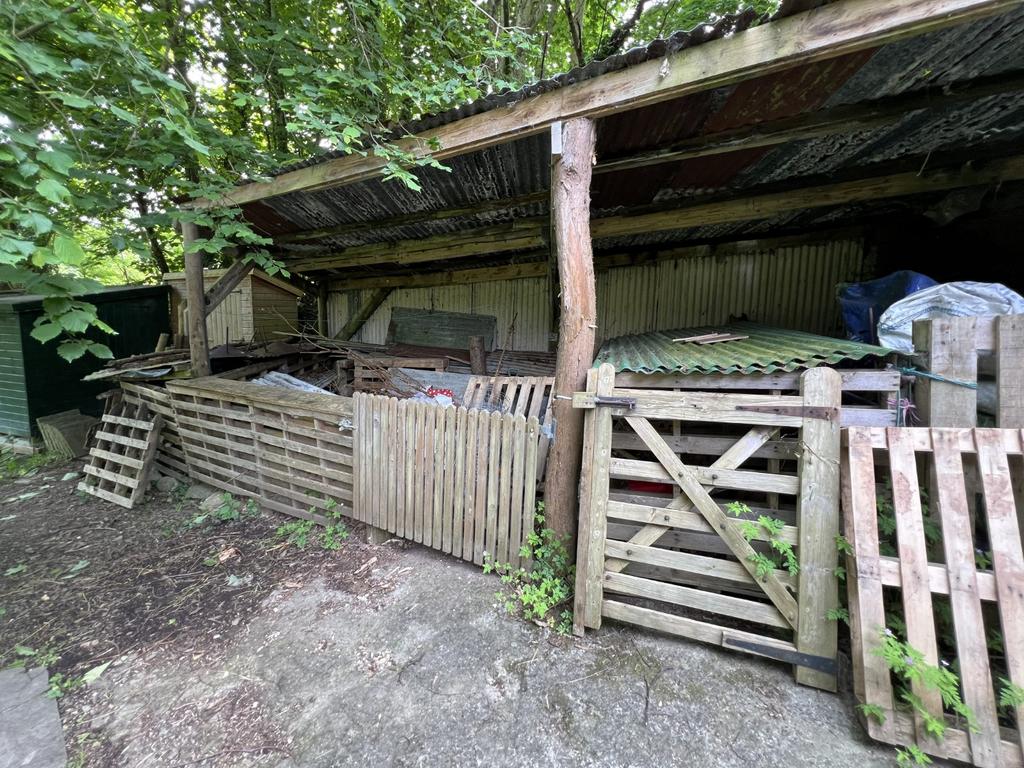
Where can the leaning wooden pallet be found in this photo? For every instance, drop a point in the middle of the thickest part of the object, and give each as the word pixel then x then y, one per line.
pixel 979 595
pixel 122 454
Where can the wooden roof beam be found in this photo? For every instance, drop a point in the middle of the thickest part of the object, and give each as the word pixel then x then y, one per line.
pixel 838 120
pixel 519 235
pixel 826 32
pixel 769 204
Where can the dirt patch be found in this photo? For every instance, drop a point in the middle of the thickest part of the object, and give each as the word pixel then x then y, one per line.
pixel 84 582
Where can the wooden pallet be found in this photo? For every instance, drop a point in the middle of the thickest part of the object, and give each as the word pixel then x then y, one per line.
pixel 976 595
pixel 367 371
pixel 123 452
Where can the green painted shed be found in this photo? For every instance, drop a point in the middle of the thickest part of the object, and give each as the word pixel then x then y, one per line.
pixel 35 381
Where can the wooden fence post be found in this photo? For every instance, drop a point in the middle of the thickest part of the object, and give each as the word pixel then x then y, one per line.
pixel 597 452
pixel 817 519
pixel 195 291
pixel 951 352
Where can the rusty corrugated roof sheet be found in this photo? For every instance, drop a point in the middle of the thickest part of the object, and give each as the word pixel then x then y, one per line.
pixel 766 350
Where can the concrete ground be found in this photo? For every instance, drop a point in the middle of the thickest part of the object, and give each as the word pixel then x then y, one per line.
pixel 432 673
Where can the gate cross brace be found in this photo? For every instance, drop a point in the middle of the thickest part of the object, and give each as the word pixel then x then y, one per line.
pixel 740 547
pixel 733 458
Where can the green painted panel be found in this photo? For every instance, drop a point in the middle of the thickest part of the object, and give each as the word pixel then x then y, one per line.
pixel 14 418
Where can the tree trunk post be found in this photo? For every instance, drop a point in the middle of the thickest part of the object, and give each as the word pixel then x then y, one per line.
pixel 477 356
pixel 322 299
pixel 570 198
pixel 195 292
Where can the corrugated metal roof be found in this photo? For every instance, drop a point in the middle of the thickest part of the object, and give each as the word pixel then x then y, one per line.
pixel 766 350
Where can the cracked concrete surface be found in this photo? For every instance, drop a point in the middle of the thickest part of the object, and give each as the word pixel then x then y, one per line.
pixel 436 675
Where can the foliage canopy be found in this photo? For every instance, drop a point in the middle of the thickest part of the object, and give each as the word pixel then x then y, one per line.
pixel 113 113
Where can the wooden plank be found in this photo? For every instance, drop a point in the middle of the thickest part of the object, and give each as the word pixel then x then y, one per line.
pixel 921 439
pixel 114 477
pixel 688 628
pixel 459 481
pixel 817 515
pixel 515 526
pixel 686 562
pixel 230 279
pixel 393 460
pixel 968 621
pixel 868 605
pixel 915 593
pixel 1009 357
pixel 401 466
pixel 418 471
pixel 699 599
pixel 448 503
pixel 589 582
pixel 687 519
pixel 710 445
pixel 716 407
pixel 494 456
pixel 128 461
pixel 145 426
pixel 116 439
pixel 469 485
pixel 529 508
pixel 483 454
pixel 733 479
pixel 437 461
pixel 1007 559
pixel 825 32
pixel 504 490
pixel 852 381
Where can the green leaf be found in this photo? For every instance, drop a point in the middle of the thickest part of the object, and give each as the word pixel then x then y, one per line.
pixel 52 190
pixel 128 117
pixel 67 250
pixel 76 321
pixel 73 100
pixel 24 650
pixel 101 351
pixel 94 674
pixel 72 349
pixel 46 332
pixel 58 161
pixel 14 570
pixel 196 145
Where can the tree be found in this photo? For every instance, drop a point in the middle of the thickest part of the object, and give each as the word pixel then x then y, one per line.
pixel 113 113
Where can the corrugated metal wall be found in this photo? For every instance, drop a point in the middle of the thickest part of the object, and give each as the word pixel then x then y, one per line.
pixel 525 300
pixel 791 286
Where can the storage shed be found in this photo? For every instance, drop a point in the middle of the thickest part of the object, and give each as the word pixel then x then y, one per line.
pixel 35 381
pixel 258 307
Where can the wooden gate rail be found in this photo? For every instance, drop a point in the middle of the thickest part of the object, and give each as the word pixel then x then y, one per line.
pixel 459 480
pixel 292 451
pixel 967 586
pixel 670 549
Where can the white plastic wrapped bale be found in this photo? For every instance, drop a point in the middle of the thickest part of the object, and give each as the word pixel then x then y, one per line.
pixel 962 299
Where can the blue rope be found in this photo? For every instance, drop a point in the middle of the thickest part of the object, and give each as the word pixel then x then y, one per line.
pixel 936 377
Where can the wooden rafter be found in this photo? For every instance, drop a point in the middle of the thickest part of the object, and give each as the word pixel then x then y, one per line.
pixel 486 206
pixel 823 33
pixel 228 281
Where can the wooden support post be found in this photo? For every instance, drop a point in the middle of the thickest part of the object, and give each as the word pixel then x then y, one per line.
pixel 949 347
pixel 552 239
pixel 477 356
pixel 948 344
pixel 195 294
pixel 359 318
pixel 321 309
pixel 570 185
pixel 1009 353
pixel 817 519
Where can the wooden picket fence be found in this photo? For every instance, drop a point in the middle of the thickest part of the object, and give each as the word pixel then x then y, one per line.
pixel 916 581
pixel 459 480
pixel 289 450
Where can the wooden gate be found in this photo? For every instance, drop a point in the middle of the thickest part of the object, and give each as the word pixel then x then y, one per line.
pixel 652 555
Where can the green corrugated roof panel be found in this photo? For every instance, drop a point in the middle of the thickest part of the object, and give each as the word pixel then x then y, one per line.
pixel 767 350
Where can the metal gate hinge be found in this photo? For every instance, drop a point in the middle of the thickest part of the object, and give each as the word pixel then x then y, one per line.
pixel 825 413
